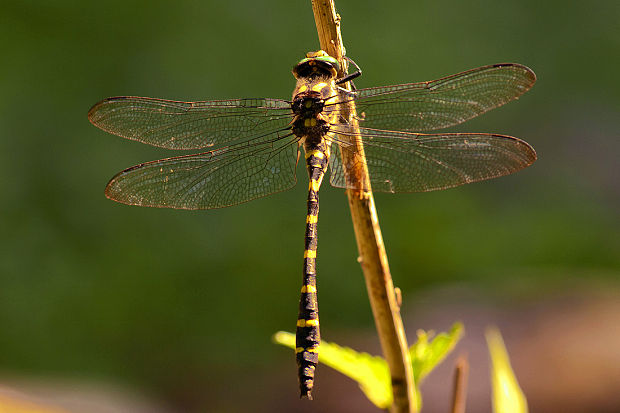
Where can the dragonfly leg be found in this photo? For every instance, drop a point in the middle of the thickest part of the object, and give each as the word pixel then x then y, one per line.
pixel 350 77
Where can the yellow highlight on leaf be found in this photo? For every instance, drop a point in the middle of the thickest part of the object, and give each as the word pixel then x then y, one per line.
pixel 507 395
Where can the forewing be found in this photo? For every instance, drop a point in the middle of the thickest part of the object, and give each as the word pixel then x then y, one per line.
pixel 189 125
pixel 411 162
pixel 444 102
pixel 215 179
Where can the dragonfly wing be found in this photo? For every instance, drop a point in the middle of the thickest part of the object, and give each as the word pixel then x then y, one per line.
pixel 189 125
pixel 444 102
pixel 215 179
pixel 412 162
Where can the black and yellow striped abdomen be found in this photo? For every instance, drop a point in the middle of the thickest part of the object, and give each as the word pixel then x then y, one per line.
pixel 308 334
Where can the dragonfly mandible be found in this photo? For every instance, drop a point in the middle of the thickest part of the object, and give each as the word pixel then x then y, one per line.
pixel 257 144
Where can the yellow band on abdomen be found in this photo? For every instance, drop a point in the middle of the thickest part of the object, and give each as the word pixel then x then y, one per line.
pixel 314 185
pixel 316 153
pixel 307 323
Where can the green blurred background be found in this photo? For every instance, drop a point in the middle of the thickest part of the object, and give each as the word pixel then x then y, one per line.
pixel 180 306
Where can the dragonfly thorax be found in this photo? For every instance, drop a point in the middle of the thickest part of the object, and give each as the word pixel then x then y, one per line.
pixel 312 115
pixel 311 128
pixel 308 104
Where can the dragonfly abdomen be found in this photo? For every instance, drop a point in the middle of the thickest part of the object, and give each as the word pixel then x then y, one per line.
pixel 308 334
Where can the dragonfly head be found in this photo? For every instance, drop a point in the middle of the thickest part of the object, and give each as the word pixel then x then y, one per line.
pixel 316 64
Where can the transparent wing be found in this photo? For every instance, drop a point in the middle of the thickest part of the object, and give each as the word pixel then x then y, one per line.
pixel 411 162
pixel 444 102
pixel 215 179
pixel 189 125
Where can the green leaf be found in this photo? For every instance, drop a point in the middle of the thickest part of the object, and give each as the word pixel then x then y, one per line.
pixel 370 372
pixel 426 356
pixel 507 395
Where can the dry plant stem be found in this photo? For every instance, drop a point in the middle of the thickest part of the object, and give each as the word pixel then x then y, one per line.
pixel 372 256
pixel 460 385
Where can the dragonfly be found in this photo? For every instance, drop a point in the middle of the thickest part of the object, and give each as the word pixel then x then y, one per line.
pixel 255 145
